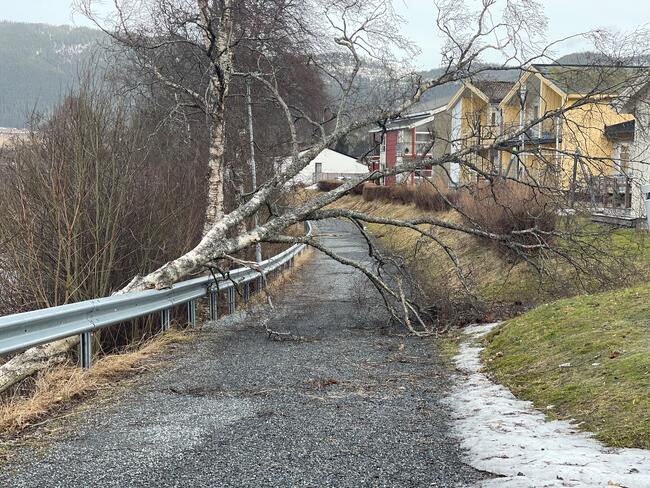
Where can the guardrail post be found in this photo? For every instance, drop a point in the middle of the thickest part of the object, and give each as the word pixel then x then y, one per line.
pixel 165 319
pixel 247 291
pixel 213 297
pixel 191 312
pixel 231 299
pixel 86 349
pixel 260 283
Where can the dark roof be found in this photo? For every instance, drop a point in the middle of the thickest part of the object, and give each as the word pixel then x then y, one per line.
pixel 592 79
pixel 434 100
pixel 620 131
pixel 494 90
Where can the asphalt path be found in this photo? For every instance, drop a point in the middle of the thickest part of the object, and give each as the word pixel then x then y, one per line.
pixel 349 402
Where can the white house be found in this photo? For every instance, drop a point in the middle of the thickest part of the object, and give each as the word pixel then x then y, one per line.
pixel 623 203
pixel 330 165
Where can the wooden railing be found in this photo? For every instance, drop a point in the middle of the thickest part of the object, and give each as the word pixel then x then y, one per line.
pixel 613 192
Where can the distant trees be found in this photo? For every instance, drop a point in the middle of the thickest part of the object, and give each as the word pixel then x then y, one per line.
pixel 93 194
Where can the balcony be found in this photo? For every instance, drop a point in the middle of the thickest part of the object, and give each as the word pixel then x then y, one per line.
pixel 612 192
pixel 544 132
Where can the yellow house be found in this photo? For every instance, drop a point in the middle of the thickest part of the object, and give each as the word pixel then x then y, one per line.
pixel 476 123
pixel 554 119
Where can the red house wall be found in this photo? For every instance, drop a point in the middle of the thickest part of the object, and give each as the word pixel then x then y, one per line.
pixel 391 155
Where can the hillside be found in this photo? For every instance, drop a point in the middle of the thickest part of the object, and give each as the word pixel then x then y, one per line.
pixel 38 63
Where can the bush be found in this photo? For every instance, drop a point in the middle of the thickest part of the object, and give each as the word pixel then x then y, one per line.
pixel 327 185
pixel 505 207
pixel 376 192
pixel 92 197
pixel 358 190
pixel 435 196
pixel 402 193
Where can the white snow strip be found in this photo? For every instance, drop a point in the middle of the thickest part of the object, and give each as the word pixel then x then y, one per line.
pixel 508 437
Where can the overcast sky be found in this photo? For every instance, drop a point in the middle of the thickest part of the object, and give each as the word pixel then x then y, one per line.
pixel 566 17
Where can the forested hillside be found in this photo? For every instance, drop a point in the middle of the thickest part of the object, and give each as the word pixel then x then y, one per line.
pixel 38 62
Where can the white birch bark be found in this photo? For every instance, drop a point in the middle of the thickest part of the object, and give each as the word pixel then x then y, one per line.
pixel 216 42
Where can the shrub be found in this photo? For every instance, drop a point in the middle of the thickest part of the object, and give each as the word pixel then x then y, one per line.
pixel 327 185
pixel 402 193
pixel 358 190
pixel 434 196
pixel 505 207
pixel 376 192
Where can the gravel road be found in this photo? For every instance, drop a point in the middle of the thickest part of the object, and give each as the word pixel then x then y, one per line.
pixel 352 403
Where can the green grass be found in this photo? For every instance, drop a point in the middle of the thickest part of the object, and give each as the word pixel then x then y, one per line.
pixel 605 338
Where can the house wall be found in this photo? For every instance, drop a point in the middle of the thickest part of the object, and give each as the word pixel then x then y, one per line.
pixel 391 155
pixel 442 146
pixel 583 129
pixel 464 119
pixel 333 165
pixel 549 98
pixel 640 152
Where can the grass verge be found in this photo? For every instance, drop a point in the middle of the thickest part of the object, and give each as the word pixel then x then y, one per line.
pixel 585 358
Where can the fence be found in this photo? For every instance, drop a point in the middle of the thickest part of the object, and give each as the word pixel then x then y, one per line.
pixel 28 329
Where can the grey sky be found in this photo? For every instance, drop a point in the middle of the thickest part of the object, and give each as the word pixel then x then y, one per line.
pixel 565 17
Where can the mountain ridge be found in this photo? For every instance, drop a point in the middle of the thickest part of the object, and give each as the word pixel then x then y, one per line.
pixel 40 62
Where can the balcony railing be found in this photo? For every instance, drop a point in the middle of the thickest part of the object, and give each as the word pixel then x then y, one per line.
pixel 612 192
pixel 546 130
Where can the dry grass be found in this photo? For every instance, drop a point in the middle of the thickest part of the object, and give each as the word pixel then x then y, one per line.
pixel 57 389
pixel 372 193
pixel 434 197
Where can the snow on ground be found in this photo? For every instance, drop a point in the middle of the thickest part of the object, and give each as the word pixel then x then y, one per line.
pixel 508 437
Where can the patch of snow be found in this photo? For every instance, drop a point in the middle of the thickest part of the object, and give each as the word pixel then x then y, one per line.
pixel 508 437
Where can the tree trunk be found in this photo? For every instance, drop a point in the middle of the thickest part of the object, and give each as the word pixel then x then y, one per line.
pixel 220 51
pixel 215 204
pixel 34 360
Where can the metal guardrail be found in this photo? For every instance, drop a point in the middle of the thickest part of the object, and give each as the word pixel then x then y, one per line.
pixel 23 330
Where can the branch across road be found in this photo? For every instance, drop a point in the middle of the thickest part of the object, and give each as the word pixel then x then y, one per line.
pixel 350 402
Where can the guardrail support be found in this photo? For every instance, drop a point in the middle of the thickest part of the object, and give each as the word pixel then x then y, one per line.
pixel 191 313
pixel 213 297
pixel 247 291
pixel 86 349
pixel 231 299
pixel 165 319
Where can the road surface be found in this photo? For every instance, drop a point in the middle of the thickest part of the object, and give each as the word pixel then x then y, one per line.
pixel 351 403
